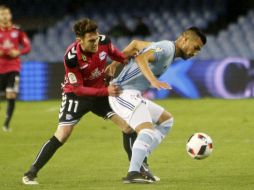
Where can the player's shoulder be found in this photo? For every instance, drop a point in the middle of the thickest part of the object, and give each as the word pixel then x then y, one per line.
pixel 104 39
pixel 17 27
pixel 70 57
pixel 164 43
pixel 165 46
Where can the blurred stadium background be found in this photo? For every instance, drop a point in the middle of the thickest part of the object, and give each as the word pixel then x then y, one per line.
pixel 224 68
pixel 93 159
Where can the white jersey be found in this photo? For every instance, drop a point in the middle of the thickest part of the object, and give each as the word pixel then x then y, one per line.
pixel 131 76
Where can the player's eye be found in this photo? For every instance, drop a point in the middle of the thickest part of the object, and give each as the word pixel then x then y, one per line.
pixel 92 41
pixel 197 48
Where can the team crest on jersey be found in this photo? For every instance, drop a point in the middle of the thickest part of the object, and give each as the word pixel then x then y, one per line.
pixel 83 57
pixel 102 55
pixel 72 78
pixel 14 34
pixel 158 49
pixel 7 44
pixel 95 74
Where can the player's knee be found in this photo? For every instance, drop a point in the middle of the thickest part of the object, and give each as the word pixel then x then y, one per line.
pixel 164 117
pixel 168 123
pixel 63 132
pixel 142 126
pixel 164 128
pixel 11 95
pixel 128 130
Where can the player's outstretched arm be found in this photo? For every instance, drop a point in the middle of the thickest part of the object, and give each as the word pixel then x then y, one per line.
pixel 143 61
pixel 129 51
pixel 134 47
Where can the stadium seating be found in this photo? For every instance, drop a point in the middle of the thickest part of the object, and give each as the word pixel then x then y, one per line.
pixel 165 19
pixel 237 40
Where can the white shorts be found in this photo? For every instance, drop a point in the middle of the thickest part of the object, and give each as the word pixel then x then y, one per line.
pixel 134 108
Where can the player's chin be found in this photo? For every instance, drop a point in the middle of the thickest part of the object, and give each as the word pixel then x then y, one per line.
pixel 187 56
pixel 94 50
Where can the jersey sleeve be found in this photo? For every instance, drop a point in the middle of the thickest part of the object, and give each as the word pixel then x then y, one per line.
pixel 113 52
pixel 74 77
pixel 25 42
pixel 162 49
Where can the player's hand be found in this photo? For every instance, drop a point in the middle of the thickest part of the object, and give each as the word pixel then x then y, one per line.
pixel 160 85
pixel 135 53
pixel 1 53
pixel 132 55
pixel 114 90
pixel 14 53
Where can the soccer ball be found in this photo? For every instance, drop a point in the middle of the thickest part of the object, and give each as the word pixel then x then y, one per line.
pixel 199 146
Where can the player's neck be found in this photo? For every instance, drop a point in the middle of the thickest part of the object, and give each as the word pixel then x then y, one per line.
pixel 5 25
pixel 83 49
pixel 177 50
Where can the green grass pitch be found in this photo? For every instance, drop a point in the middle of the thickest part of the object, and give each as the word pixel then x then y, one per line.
pixel 93 158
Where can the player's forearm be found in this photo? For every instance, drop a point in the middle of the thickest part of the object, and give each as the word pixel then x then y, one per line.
pixel 90 91
pixel 115 64
pixel 144 67
pixel 26 49
pixel 134 47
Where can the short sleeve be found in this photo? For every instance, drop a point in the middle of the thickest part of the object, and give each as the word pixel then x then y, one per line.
pixel 162 50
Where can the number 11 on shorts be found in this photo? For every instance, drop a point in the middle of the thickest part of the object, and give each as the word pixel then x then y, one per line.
pixel 71 105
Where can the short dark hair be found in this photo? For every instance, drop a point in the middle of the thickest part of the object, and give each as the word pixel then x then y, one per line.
pixel 2 7
pixel 199 33
pixel 84 26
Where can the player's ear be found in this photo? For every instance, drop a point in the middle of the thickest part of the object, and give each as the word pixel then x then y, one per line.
pixel 185 38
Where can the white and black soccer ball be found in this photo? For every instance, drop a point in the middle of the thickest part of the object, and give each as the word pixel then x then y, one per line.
pixel 199 146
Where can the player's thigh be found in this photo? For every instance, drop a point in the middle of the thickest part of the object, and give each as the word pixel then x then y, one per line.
pixel 131 107
pixel 118 121
pixel 102 108
pixel 72 109
pixel 63 132
pixel 138 118
pixel 141 118
pixel 157 112
pixel 12 85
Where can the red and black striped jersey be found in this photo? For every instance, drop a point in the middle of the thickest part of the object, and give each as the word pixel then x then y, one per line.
pixel 84 72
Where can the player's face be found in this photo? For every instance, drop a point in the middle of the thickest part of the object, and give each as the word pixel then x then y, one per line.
pixel 90 42
pixel 191 47
pixel 5 16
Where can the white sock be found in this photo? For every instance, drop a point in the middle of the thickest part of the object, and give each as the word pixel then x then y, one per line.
pixel 160 132
pixel 140 148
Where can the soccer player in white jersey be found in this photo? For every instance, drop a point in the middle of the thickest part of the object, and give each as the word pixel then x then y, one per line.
pixel 151 121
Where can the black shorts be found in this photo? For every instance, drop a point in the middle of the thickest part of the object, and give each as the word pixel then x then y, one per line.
pixel 73 108
pixel 9 82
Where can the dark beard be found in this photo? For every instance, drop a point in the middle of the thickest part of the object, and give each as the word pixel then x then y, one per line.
pixel 182 55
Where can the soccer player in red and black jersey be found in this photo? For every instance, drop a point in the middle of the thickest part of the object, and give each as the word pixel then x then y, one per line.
pixel 11 38
pixel 84 89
